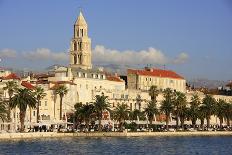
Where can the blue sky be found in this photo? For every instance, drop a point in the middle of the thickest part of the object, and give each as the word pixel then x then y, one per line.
pixel 192 37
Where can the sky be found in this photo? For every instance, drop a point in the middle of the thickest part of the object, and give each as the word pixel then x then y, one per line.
pixel 191 37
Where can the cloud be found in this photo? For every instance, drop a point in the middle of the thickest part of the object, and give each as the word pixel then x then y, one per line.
pixel 130 57
pixel 45 54
pixel 7 53
pixel 181 58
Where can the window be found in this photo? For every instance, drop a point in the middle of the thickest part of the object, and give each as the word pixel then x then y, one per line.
pixel 45 103
pixel 131 106
pixel 84 75
pixel 92 75
pixel 86 86
pixel 102 76
pixel 33 113
pixel 122 95
pixel 39 103
pixel 150 79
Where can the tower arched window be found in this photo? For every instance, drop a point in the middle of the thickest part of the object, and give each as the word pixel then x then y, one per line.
pixel 75 59
pixel 75 46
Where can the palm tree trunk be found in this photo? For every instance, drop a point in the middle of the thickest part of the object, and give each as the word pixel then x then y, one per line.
pixel 61 99
pixel 228 121
pixel 37 116
pixel 30 118
pixel 87 125
pixel 22 118
pixel 9 112
pixel 99 122
pixel 167 121
pixel 221 121
pixel 202 123
pixel 208 122
pixel 194 123
pixel 182 122
pixel 177 122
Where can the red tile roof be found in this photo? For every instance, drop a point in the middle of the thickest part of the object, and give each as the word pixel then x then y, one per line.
pixel 114 78
pixel 27 85
pixel 156 73
pixel 56 84
pixel 11 76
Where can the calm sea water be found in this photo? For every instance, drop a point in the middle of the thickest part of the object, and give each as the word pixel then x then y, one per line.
pixel 132 145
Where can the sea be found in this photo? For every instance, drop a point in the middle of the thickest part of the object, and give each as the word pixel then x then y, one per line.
pixel 206 145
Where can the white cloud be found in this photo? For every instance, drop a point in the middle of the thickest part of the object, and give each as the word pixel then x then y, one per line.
pixel 45 54
pixel 181 58
pixel 7 53
pixel 130 57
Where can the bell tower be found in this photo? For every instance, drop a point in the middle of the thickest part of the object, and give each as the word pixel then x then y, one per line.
pixel 80 50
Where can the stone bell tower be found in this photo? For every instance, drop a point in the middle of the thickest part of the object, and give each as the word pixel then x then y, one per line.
pixel 80 50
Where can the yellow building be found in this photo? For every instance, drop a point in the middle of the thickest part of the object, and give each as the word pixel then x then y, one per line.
pixel 144 79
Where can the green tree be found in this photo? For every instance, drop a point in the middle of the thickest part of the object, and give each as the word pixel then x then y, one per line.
pixel 151 110
pixel 136 115
pixel 85 112
pixel 23 99
pixel 39 94
pixel 61 90
pixel 220 110
pixel 228 113
pixel 121 113
pixel 193 110
pixel 167 104
pixel 180 108
pixel 138 102
pixel 153 92
pixel 100 105
pixel 11 87
pixel 208 106
pixel 3 110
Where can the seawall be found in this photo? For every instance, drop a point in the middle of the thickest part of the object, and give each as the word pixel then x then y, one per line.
pixel 110 134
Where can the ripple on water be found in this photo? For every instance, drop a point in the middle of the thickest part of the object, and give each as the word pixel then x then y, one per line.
pixel 119 145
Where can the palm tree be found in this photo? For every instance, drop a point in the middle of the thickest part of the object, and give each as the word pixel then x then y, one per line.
pixel 11 87
pixel 100 105
pixel 61 90
pixel 3 110
pixel 22 99
pixel 201 114
pixel 138 102
pixel 39 94
pixel 151 110
pixel 135 115
pixel 228 112
pixel 208 105
pixel 167 104
pixel 121 114
pixel 220 110
pixel 180 108
pixel 153 92
pixel 194 109
pixel 85 113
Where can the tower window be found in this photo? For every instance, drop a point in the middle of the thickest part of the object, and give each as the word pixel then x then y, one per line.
pixel 75 46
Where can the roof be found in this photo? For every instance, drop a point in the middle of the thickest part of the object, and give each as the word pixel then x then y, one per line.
pixel 44 75
pixel 114 78
pixel 156 73
pixel 56 84
pixel 80 20
pixel 11 76
pixel 27 85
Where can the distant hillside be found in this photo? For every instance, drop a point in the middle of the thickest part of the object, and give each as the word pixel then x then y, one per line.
pixel 207 83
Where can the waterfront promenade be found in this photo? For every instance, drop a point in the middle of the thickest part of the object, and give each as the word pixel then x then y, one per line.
pixel 110 134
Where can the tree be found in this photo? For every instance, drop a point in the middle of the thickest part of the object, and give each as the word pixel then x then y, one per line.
pixel 136 115
pixel 208 106
pixel 39 94
pixel 85 112
pixel 193 110
pixel 11 87
pixel 61 90
pixel 151 110
pixel 138 101
pixel 228 112
pixel 180 109
pixel 100 105
pixel 220 110
pixel 153 92
pixel 121 113
pixel 23 99
pixel 202 115
pixel 3 110
pixel 167 104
